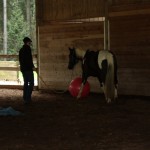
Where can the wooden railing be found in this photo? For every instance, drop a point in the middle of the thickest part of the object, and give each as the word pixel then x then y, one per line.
pixel 14 68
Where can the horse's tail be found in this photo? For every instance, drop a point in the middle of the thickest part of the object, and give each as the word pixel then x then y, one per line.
pixel 109 81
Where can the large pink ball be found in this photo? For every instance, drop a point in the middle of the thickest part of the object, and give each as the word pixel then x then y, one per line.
pixel 74 87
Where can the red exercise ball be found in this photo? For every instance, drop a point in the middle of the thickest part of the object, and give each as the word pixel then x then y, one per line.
pixel 74 87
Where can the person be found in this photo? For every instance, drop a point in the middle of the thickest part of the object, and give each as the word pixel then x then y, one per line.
pixel 26 67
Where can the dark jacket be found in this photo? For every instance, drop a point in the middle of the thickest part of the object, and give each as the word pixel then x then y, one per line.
pixel 25 59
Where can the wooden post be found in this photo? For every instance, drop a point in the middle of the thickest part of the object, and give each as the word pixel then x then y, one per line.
pixel 106 28
pixel 38 58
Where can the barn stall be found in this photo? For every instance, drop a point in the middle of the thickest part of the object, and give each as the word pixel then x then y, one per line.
pixel 121 26
pixel 59 122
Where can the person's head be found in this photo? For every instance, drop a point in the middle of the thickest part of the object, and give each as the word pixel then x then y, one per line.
pixel 27 41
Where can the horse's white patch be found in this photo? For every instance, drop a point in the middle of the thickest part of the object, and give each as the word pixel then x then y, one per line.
pixel 102 56
pixel 80 52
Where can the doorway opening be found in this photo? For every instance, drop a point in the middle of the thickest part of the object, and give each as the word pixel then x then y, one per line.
pixel 17 21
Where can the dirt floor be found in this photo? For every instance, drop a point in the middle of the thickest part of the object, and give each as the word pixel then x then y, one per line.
pixel 60 122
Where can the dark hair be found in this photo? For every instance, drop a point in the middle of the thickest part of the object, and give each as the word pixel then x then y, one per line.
pixel 26 39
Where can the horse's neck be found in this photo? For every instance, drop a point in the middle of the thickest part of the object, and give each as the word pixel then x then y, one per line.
pixel 80 53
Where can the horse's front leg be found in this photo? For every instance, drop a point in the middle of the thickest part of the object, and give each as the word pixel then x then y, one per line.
pixel 116 91
pixel 81 87
pixel 80 91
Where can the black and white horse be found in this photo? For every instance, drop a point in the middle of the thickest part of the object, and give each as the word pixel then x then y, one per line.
pixel 101 64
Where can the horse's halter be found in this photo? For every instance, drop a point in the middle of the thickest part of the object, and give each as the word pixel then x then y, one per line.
pixel 73 59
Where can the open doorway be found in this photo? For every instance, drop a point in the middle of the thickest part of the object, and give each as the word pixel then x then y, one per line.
pixel 17 21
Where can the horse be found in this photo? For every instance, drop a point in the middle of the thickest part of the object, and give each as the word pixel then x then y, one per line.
pixel 101 64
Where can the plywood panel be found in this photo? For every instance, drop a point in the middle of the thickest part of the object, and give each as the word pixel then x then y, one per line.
pixel 129 2
pixel 59 10
pixel 130 41
pixel 54 43
pixel 129 7
pixel 134 81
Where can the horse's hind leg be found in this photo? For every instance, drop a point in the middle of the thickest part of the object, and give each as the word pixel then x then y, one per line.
pixel 115 76
pixel 102 85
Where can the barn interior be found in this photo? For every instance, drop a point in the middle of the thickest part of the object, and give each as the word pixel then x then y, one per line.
pixel 116 25
pixel 56 120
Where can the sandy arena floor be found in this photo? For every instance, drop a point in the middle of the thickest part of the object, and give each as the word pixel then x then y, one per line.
pixel 60 122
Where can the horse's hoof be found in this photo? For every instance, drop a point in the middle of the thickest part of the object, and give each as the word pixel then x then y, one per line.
pixel 108 100
pixel 78 97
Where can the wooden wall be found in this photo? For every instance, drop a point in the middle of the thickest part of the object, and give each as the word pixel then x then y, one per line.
pixel 131 42
pixel 54 43
pixel 129 39
pixel 60 10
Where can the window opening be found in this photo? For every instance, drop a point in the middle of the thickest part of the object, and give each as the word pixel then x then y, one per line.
pixel 18 20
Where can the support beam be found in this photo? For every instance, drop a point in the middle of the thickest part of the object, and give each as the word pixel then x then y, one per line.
pixel 130 13
pixel 106 28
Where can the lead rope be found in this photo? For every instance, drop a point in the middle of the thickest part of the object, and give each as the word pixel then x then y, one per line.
pixel 55 91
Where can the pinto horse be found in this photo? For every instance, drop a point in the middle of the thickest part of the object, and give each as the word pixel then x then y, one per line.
pixel 101 64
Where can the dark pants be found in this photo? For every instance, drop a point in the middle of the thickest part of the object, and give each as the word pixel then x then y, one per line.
pixel 28 85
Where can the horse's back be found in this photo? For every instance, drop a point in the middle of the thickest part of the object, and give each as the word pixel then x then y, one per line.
pixel 92 54
pixel 90 63
pixel 91 57
pixel 102 56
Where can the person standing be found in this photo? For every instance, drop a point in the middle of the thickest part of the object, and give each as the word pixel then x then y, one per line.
pixel 26 67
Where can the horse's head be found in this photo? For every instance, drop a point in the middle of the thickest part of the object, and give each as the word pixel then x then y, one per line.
pixel 72 58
